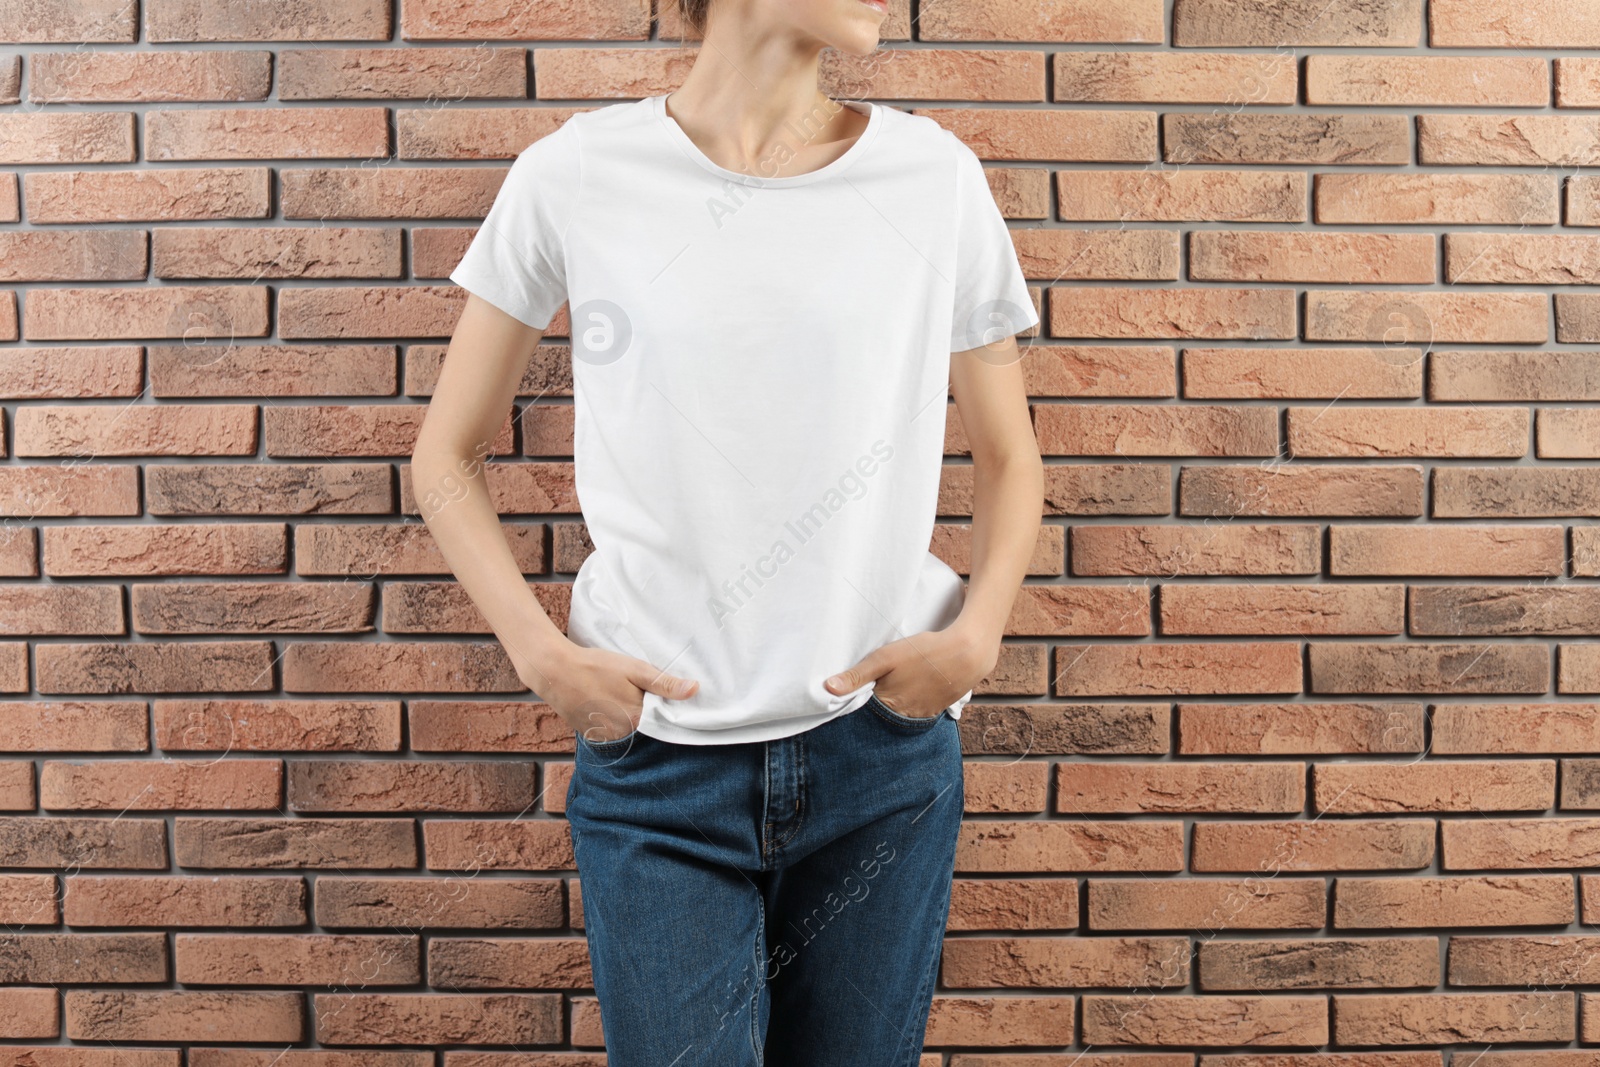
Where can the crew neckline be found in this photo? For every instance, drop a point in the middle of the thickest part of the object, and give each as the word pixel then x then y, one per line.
pixel 873 111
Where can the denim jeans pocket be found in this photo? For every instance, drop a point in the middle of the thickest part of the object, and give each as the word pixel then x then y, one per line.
pixel 615 747
pixel 910 722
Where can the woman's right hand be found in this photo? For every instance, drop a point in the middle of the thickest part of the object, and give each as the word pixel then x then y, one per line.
pixel 599 693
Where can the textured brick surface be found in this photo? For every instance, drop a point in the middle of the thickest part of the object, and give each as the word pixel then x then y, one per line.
pixel 1291 757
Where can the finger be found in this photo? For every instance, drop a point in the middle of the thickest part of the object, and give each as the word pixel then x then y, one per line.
pixel 871 667
pixel 651 680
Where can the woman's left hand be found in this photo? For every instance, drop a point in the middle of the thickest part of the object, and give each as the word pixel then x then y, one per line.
pixel 921 675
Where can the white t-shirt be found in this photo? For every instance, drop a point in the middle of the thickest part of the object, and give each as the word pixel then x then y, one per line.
pixel 760 368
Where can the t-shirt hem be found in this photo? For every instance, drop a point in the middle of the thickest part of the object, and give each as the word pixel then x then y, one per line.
pixel 769 730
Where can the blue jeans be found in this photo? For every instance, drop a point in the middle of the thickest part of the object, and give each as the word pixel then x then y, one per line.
pixel 769 903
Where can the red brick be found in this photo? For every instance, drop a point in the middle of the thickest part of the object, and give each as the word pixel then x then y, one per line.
pixel 441 73
pixel 411 785
pixel 136 430
pixel 29 1013
pixel 1147 669
pixel 1100 370
pixel 438 1018
pixel 1519 844
pixel 428 20
pixel 1067 21
pixel 1296 729
pixel 487 726
pixel 1034 847
pixel 1065 729
pixel 1005 787
pixel 1515 492
pixel 1251 965
pixel 71 371
pixel 337 844
pixel 1431 1018
pixel 1579 668
pixel 1313 845
pixel 174 666
pixel 1013 904
pixel 230 725
pixel 509 963
pixel 1155 429
pixel 159 900
pixel 373 549
pixel 74 726
pixel 1428 666
pixel 1205 904
pixel 1180 195
pixel 276 252
pixel 138 550
pixel 1263 256
pixel 1031 962
pixel 131 77
pixel 1000 1021
pixel 1489 900
pixel 1256 138
pixel 198 1015
pixel 1172 77
pixel 1458 551
pixel 82 610
pixel 1428 81
pixel 389 192
pixel 1288 23
pixel 1567 433
pixel 1433 198
pixel 1420 316
pixel 190 311
pixel 165 785
pixel 1302 373
pixel 298 959
pixel 1205 1020
pixel 30 900
pixel 1133 788
pixel 65 137
pixel 80 21
pixel 1519 24
pixel 1208 312
pixel 1514 960
pixel 1301 490
pixel 159 195
pixel 1458 785
pixel 1076 136
pixel 1266 609
pixel 1503 611
pixel 501 845
pixel 1514 375
pixel 1350 430
pixel 263 132
pixel 1506 140
pixel 1170 550
pixel 75 255
pixel 440 903
pixel 317 20
pixel 1482 729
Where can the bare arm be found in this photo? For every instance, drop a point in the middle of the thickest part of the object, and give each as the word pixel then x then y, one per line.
pixel 1008 498
pixel 923 673
pixel 488 355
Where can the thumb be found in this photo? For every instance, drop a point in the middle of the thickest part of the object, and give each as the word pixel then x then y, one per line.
pixel 871 667
pixel 647 677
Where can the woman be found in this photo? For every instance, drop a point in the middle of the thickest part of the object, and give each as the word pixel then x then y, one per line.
pixel 764 662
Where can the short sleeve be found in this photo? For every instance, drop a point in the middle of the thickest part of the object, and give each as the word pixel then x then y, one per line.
pixel 517 259
pixel 991 295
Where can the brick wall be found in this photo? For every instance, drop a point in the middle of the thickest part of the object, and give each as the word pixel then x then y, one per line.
pixel 1290 750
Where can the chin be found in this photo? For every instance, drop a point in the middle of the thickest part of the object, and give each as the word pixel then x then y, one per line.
pixel 857 41
pixel 847 26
